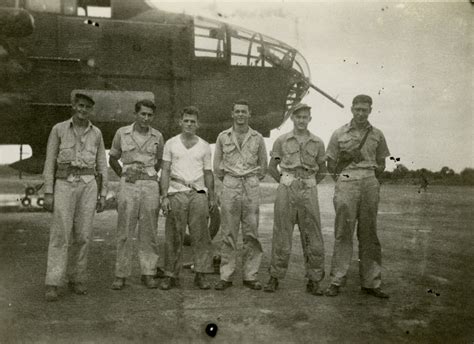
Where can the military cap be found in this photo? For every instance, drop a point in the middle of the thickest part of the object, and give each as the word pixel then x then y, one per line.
pixel 84 96
pixel 300 106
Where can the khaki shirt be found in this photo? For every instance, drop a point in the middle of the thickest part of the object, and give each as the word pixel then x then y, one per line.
pixel 292 154
pixel 65 146
pixel 348 138
pixel 230 158
pixel 135 154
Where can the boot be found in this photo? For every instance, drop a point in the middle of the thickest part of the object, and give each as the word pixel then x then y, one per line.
pixel 118 284
pixel 51 293
pixel 159 273
pixel 223 285
pixel 313 288
pixel 78 288
pixel 149 281
pixel 332 290
pixel 168 283
pixel 377 292
pixel 200 281
pixel 272 285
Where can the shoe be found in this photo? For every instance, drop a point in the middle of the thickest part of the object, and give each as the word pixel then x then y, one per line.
pixel 332 290
pixel 377 292
pixel 255 285
pixel 313 288
pixel 118 284
pixel 51 293
pixel 168 283
pixel 216 263
pixel 200 281
pixel 149 281
pixel 272 285
pixel 160 273
pixel 78 288
pixel 223 285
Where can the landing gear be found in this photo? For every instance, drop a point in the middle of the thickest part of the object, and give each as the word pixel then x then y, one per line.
pixel 31 193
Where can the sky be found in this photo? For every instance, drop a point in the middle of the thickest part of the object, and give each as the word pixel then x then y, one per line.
pixel 413 58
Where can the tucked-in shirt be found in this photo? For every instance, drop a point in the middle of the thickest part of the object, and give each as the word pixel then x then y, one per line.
pixel 135 151
pixel 292 154
pixel 348 138
pixel 66 146
pixel 240 161
pixel 187 164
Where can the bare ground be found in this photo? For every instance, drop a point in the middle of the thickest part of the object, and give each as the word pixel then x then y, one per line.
pixel 428 271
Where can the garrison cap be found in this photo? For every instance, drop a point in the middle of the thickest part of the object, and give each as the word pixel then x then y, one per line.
pixel 299 107
pixel 84 96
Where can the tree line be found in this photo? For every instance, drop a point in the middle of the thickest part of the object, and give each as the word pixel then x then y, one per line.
pixel 446 176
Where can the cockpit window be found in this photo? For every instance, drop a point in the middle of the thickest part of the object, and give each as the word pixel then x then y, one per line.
pixel 88 8
pixel 254 49
pixel 50 6
pixel 209 38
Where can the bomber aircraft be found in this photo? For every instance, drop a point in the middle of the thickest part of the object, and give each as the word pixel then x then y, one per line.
pixel 119 51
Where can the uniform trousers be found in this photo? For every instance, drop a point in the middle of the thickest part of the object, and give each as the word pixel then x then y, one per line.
pixel 138 209
pixel 240 209
pixel 73 214
pixel 297 203
pixel 356 204
pixel 188 208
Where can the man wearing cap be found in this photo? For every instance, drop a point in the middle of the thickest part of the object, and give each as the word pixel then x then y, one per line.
pixel 187 187
pixel 356 156
pixel 140 148
pixel 300 155
pixel 75 155
pixel 240 161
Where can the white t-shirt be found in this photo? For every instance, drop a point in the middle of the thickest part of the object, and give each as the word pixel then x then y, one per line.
pixel 187 164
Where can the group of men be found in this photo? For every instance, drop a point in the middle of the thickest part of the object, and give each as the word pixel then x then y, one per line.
pixel 185 193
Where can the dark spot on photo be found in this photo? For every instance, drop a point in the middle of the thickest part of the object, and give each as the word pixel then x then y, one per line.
pixel 211 329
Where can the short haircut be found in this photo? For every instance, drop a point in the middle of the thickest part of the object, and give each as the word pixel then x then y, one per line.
pixel 362 98
pixel 190 110
pixel 240 102
pixel 78 96
pixel 146 103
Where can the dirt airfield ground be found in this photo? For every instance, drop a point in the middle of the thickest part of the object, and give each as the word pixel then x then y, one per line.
pixel 427 242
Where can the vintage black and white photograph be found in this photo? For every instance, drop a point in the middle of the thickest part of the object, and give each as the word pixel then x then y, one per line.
pixel 236 172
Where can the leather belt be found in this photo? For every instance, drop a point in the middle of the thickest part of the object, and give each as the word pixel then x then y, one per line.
pixel 189 185
pixel 64 171
pixel 288 178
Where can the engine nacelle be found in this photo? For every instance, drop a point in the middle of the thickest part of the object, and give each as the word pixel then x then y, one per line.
pixel 15 22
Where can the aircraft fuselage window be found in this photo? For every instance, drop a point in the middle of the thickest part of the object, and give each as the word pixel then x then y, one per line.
pixel 88 8
pixel 95 11
pixel 209 39
pixel 50 6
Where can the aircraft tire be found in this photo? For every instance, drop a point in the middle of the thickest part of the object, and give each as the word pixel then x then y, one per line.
pixel 26 201
pixel 214 225
pixel 40 201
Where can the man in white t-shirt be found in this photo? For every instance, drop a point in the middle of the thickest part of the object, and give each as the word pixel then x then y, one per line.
pixel 187 188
